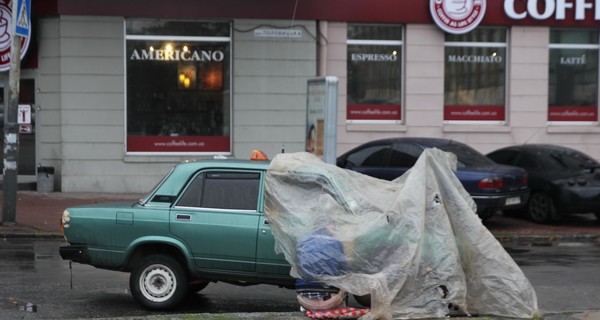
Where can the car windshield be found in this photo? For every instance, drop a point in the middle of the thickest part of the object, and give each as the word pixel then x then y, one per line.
pixel 568 159
pixel 466 156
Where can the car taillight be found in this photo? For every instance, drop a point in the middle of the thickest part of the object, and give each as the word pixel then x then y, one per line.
pixel 491 183
pixel 525 179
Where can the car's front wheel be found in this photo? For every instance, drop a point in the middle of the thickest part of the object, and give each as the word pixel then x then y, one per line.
pixel 158 282
pixel 541 208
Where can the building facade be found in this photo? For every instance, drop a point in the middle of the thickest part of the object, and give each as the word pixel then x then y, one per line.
pixel 122 90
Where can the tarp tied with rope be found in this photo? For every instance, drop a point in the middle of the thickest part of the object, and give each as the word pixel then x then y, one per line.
pixel 415 244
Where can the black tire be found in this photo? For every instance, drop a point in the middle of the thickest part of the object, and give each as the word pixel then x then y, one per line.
pixel 364 301
pixel 486 215
pixel 541 208
pixel 158 282
pixel 197 286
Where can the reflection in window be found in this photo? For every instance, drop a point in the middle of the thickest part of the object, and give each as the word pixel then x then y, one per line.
pixel 373 156
pixel 178 89
pixel 573 75
pixel 374 67
pixel 475 75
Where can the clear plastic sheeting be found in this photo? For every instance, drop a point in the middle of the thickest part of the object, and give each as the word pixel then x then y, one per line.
pixel 415 244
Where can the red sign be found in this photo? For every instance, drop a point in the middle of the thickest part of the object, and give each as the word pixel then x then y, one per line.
pixel 373 112
pixel 556 113
pixel 563 13
pixel 188 144
pixel 5 35
pixel 474 113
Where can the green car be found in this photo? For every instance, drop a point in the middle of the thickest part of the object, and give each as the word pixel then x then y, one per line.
pixel 204 222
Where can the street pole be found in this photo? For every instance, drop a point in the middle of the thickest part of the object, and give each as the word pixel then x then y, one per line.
pixel 11 129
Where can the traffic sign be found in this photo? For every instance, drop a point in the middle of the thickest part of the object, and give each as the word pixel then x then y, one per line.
pixel 23 20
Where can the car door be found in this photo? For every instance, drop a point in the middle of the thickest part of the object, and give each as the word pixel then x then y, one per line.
pixel 267 261
pixel 217 217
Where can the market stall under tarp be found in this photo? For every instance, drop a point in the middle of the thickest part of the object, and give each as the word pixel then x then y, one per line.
pixel 415 244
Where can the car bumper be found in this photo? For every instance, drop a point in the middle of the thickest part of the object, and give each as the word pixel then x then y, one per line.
pixel 579 200
pixel 509 201
pixel 75 253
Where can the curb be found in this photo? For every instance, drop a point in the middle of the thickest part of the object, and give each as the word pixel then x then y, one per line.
pixel 591 314
pixel 30 235
pixel 547 239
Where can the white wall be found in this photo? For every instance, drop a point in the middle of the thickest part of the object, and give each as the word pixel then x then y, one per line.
pixel 269 83
pixel 81 95
pixel 82 122
pixel 80 82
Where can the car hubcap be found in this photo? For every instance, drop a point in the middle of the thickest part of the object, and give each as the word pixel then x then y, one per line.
pixel 157 283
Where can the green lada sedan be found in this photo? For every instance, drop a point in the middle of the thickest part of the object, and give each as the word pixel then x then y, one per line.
pixel 204 222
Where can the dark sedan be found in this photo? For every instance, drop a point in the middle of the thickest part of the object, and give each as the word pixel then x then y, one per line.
pixel 494 187
pixel 562 180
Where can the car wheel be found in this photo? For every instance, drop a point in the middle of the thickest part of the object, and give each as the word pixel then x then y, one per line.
pixel 487 214
pixel 158 282
pixel 197 286
pixel 541 208
pixel 364 301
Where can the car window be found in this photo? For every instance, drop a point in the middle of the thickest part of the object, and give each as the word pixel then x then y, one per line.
pixel 565 159
pixel 373 156
pixel 404 155
pixel 527 161
pixel 223 190
pixel 466 156
pixel 504 156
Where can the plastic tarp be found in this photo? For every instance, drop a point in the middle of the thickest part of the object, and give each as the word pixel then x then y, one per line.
pixel 415 244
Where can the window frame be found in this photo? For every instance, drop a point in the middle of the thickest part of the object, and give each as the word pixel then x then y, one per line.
pixel 575 46
pixel 376 42
pixel 484 44
pixel 227 96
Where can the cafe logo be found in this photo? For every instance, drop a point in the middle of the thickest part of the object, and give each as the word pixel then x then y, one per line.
pixel 5 35
pixel 457 16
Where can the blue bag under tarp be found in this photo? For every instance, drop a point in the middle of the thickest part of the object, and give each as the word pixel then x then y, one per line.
pixel 319 254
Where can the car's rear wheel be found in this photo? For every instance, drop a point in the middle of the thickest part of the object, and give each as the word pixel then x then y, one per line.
pixel 197 286
pixel 486 215
pixel 364 301
pixel 541 208
pixel 158 282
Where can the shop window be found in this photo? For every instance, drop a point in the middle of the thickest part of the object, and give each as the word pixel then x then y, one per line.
pixel 475 75
pixel 374 67
pixel 573 76
pixel 178 87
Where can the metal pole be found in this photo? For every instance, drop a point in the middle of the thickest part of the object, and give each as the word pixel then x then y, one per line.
pixel 11 129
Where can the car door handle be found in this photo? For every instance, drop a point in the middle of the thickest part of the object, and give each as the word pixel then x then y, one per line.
pixel 185 217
